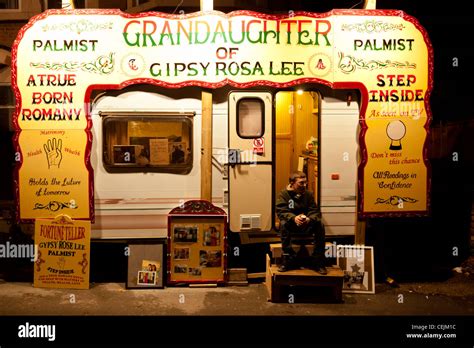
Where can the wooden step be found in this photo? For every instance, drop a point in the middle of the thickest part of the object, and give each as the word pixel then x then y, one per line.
pixel 312 286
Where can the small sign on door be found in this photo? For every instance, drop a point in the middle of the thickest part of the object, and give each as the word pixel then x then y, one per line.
pixel 259 146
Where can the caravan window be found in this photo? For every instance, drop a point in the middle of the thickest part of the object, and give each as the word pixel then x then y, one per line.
pixel 250 113
pixel 148 143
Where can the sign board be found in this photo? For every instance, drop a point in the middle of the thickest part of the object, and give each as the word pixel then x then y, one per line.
pixel 60 56
pixel 63 253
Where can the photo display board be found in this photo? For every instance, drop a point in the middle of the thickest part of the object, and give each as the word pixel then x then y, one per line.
pixel 197 244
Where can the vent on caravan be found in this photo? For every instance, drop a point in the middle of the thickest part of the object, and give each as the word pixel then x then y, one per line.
pixel 250 222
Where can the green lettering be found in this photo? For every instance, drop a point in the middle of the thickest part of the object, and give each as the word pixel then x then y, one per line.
pixel 305 34
pixel 137 37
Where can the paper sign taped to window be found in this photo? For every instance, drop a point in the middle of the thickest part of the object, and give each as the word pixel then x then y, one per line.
pixel 159 153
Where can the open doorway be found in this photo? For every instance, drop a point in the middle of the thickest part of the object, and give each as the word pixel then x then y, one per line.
pixel 317 133
pixel 296 137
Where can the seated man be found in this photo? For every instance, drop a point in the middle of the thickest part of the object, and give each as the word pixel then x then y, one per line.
pixel 299 214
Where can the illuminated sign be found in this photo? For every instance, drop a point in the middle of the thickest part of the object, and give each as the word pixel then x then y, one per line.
pixel 60 56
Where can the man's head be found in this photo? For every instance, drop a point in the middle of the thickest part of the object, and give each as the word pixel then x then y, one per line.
pixel 298 182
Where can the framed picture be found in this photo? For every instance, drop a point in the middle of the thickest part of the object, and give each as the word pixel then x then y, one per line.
pixel 177 152
pixel 212 234
pixel 146 278
pixel 126 154
pixel 210 258
pixel 197 244
pixel 185 234
pixel 181 253
pixel 357 263
pixel 146 264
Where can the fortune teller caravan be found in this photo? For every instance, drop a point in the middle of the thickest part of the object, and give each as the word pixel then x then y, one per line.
pixel 144 112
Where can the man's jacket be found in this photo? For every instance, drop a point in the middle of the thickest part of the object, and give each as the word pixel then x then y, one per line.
pixel 290 204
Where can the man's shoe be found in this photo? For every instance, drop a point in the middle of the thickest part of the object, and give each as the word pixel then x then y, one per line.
pixel 288 263
pixel 317 265
pixel 321 270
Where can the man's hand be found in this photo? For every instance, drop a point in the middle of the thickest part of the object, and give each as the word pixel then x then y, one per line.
pixel 301 220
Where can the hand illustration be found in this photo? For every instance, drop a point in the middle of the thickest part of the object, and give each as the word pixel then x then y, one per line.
pixel 84 263
pixel 52 148
pixel 39 261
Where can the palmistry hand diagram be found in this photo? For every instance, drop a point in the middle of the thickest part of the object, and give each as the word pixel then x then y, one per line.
pixel 52 148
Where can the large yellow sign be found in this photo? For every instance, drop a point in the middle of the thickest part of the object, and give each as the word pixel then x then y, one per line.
pixel 60 56
pixel 63 253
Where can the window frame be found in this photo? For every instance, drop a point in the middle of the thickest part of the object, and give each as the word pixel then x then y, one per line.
pixel 237 108
pixel 175 168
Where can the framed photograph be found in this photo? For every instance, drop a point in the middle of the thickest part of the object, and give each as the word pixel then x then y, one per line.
pixel 126 154
pixel 210 258
pixel 181 269
pixel 185 234
pixel 146 264
pixel 146 278
pixel 178 152
pixel 357 263
pixel 181 254
pixel 212 235
pixel 195 271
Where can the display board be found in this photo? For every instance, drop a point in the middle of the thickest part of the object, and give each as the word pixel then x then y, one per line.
pixel 197 244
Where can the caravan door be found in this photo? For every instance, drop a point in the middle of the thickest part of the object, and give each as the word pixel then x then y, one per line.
pixel 338 164
pixel 250 161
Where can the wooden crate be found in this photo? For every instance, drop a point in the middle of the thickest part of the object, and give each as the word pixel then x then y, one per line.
pixel 303 285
